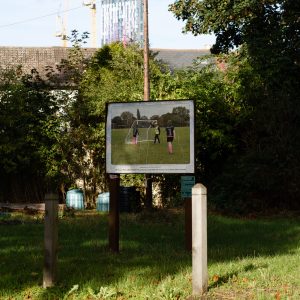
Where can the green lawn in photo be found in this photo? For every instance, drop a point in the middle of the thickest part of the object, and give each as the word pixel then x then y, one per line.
pixel 149 153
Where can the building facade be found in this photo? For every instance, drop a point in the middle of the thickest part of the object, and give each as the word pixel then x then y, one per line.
pixel 122 20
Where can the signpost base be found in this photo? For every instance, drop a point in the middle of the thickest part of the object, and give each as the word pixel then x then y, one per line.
pixel 114 214
pixel 188 223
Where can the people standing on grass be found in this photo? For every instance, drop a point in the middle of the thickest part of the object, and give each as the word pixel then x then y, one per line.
pixel 135 134
pixel 170 131
pixel 157 133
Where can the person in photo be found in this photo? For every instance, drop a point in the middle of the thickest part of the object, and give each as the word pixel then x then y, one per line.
pixel 170 131
pixel 157 132
pixel 135 134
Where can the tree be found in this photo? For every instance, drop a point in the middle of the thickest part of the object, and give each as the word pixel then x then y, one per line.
pixel 183 114
pixel 138 114
pixel 27 111
pixel 127 118
pixel 236 22
pixel 265 37
pixel 115 74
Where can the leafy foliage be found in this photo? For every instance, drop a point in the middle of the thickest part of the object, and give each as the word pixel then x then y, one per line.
pixel 265 36
pixel 27 109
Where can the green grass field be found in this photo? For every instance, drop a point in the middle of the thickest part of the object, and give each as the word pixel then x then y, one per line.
pixel 247 259
pixel 148 152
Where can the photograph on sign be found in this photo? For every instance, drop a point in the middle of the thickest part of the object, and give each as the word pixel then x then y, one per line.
pixel 150 137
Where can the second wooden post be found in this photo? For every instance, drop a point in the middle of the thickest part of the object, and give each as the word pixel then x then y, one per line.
pixel 51 240
pixel 114 212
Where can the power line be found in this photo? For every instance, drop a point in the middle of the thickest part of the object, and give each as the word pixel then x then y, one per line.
pixel 37 18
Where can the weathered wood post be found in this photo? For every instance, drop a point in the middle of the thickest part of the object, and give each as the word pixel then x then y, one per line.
pixel 114 212
pixel 199 240
pixel 50 240
pixel 187 183
pixel 148 177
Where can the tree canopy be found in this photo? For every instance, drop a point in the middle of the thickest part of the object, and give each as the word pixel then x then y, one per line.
pixel 242 21
pixel 264 67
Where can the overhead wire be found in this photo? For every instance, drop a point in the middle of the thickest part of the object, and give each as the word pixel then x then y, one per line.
pixel 38 18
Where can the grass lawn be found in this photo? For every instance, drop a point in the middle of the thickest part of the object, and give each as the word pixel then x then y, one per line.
pixel 247 259
pixel 148 152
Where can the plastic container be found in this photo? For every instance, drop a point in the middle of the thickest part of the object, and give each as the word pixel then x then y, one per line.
pixel 102 202
pixel 75 199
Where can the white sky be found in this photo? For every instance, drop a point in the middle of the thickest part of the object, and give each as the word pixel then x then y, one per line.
pixel 148 109
pixel 165 31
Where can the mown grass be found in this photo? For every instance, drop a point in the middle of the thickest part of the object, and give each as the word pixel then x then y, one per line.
pixel 148 152
pixel 248 259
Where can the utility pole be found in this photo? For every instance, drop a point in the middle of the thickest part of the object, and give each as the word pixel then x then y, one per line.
pixel 146 54
pixel 148 179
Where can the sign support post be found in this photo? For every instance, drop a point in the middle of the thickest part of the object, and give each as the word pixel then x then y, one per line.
pixel 114 212
pixel 187 183
pixel 188 223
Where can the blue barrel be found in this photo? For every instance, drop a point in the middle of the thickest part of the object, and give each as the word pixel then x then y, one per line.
pixel 75 199
pixel 102 202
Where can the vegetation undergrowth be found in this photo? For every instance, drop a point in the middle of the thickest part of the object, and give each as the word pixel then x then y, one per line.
pixel 247 259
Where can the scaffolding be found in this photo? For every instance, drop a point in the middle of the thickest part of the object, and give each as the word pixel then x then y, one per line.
pixel 122 20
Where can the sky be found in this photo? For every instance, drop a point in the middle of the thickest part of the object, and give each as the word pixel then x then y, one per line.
pixel 152 108
pixel 34 23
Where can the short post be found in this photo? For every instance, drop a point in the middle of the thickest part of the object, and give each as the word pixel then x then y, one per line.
pixel 50 240
pixel 114 212
pixel 199 240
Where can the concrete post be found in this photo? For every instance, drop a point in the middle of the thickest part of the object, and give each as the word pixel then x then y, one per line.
pixel 50 240
pixel 199 240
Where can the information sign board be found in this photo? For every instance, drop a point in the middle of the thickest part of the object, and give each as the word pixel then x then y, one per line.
pixel 150 137
pixel 187 183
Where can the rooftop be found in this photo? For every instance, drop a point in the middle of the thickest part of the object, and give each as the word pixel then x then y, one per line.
pixel 40 57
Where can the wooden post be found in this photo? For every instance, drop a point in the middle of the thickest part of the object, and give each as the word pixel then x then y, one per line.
pixel 188 223
pixel 114 212
pixel 50 240
pixel 146 54
pixel 199 240
pixel 148 178
pixel 187 183
pixel 148 184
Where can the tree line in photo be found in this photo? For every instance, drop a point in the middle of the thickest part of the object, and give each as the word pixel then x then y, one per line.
pixel 247 113
pixel 179 117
